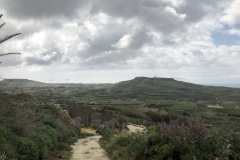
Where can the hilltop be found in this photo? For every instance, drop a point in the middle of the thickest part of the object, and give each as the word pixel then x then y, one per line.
pixel 24 83
pixel 170 89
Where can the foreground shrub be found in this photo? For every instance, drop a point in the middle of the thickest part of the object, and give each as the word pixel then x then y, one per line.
pixel 178 130
pixel 32 130
pixel 228 143
pixel 180 139
pixel 127 146
pixel 27 149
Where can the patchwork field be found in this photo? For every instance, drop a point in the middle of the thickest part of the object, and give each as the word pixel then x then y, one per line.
pixel 181 118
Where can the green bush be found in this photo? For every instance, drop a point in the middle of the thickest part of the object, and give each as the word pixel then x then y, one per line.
pixel 27 149
pixel 30 129
pixel 182 139
pixel 8 141
pixel 125 146
pixel 106 133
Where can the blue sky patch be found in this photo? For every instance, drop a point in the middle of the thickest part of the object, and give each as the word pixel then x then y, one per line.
pixel 224 38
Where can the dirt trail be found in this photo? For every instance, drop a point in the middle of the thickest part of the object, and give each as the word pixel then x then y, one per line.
pixel 89 148
pixel 136 128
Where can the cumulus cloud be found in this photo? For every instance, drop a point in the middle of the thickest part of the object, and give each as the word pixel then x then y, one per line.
pixel 25 9
pixel 146 35
pixel 134 40
pixel 232 14
pixel 158 15
pixel 234 31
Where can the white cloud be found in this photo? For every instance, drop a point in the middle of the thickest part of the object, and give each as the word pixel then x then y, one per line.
pixel 173 12
pixel 232 14
pixel 82 46
pixel 139 37
pixel 123 42
pixel 234 32
pixel 175 3
pixel 92 29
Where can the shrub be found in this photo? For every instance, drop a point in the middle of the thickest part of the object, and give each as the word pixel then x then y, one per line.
pixel 31 130
pixel 127 146
pixel 27 149
pixel 178 130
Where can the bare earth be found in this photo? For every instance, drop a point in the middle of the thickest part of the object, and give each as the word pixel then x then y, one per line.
pixel 136 128
pixel 89 149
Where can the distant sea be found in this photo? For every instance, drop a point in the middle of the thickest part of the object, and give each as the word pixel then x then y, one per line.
pixel 225 85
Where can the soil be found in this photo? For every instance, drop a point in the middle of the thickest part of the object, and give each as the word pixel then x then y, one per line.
pixel 135 128
pixel 89 148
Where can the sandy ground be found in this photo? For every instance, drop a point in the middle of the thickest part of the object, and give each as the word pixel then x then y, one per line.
pixel 135 128
pixel 88 130
pixel 89 148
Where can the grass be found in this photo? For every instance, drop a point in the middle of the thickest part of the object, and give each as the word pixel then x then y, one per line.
pixel 142 101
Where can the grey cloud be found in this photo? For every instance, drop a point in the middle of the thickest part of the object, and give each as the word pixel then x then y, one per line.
pixel 154 3
pixel 147 15
pixel 112 59
pixel 31 27
pixel 11 60
pixel 196 9
pixel 194 12
pixel 103 43
pixel 41 8
pixel 37 61
pixel 150 13
pixel 39 25
pixel 102 48
pixel 41 61
pixel 104 40
pixel 51 54
pixel 126 8
pixel 140 38
pixel 123 8
pixel 161 21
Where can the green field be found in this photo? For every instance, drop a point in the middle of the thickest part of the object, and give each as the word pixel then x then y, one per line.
pixel 152 102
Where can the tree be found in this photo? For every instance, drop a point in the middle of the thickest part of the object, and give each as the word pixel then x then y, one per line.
pixel 5 38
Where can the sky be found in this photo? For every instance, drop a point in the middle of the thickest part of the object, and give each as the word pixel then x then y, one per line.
pixel 107 41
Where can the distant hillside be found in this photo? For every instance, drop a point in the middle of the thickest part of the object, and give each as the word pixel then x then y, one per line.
pixel 22 83
pixel 170 89
pixel 162 84
pixel 143 88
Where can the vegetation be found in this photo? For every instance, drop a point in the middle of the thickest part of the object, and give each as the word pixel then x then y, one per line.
pixel 30 129
pixel 179 139
pixel 184 121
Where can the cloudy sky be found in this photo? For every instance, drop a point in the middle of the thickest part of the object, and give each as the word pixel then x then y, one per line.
pixel 96 41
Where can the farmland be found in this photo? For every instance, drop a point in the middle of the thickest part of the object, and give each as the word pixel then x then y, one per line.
pixel 155 103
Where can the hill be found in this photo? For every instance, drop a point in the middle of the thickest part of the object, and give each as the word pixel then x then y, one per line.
pixel 154 102
pixel 23 83
pixel 171 89
pixel 141 88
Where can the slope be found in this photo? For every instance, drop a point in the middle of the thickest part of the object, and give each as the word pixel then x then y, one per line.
pixel 170 89
pixel 23 83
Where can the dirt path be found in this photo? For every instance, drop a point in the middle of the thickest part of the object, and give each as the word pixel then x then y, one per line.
pixel 89 148
pixel 136 128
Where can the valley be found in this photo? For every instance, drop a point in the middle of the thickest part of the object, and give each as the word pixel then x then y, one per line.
pixel 199 113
